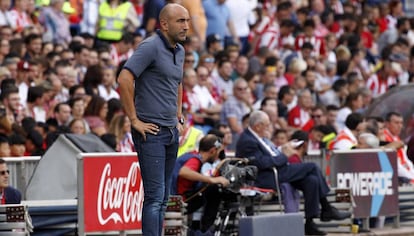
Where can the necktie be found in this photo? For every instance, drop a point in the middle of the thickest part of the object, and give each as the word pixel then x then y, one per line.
pixel 272 147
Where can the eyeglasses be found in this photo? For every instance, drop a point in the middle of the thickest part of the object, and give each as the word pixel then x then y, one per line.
pixel 4 172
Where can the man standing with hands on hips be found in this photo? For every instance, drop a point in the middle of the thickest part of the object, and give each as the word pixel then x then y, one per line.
pixel 151 92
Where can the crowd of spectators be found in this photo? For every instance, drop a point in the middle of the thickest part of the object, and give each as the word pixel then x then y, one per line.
pixel 313 66
pixel 307 64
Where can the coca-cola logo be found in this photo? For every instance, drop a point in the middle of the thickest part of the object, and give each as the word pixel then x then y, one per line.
pixel 120 198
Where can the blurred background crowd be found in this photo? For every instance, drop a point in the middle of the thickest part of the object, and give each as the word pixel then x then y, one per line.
pixel 308 64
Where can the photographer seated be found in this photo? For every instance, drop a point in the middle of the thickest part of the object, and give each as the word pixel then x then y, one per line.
pixel 187 180
pixel 307 177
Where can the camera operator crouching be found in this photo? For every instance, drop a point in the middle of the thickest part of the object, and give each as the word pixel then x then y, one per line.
pixel 188 180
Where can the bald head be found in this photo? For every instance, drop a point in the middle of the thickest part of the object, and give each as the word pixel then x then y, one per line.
pixel 170 9
pixel 174 23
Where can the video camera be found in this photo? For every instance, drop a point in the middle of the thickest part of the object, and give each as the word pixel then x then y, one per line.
pixel 238 172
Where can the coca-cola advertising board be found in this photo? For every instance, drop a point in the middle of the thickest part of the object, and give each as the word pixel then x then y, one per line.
pixel 110 192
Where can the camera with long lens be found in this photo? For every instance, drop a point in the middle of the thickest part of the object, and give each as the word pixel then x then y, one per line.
pixel 239 174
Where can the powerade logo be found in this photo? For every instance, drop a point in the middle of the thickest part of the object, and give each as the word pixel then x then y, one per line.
pixel 366 183
pixel 377 184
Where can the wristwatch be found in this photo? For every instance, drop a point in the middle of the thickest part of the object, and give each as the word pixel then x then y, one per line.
pixel 181 120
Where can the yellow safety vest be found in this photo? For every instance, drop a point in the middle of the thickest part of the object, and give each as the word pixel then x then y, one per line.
pixel 191 141
pixel 112 21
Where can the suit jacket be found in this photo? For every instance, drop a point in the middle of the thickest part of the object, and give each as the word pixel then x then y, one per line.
pixel 248 146
pixel 12 195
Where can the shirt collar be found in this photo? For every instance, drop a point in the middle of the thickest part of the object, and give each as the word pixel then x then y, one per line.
pixel 166 43
pixel 261 140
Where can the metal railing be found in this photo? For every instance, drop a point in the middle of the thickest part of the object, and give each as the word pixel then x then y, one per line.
pixel 21 170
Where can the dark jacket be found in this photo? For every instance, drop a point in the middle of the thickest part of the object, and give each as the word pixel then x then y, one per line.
pixel 12 195
pixel 248 146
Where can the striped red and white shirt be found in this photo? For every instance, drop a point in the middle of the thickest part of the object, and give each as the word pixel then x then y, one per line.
pixel 317 42
pixel 268 34
pixel 379 86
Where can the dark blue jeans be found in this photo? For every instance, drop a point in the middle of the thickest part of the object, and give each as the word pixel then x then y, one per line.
pixel 156 157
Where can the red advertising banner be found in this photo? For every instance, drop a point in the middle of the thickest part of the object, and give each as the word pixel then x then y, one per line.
pixel 112 192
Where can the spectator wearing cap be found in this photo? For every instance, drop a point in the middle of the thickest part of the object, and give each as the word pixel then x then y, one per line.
pixel 17 145
pixel 22 80
pixel 56 24
pixel 214 44
pixel 219 19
